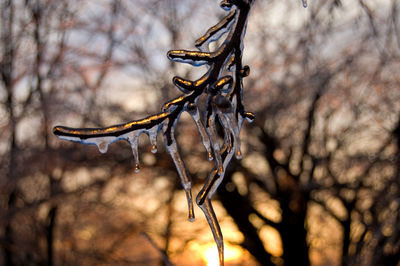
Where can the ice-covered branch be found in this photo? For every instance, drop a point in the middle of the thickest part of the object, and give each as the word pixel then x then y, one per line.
pixel 221 85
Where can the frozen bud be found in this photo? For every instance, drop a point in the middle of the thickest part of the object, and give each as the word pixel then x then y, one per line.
pixel 245 71
pixel 249 116
pixel 191 107
pixel 226 5
pixel 222 103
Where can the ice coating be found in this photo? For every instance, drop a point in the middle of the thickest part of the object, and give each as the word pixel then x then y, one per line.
pixel 212 220
pixel 102 143
pixel 185 180
pixel 227 137
pixel 103 146
pixel 240 121
pixel 152 133
pixel 224 103
pixel 184 85
pixel 195 114
pixel 193 58
pixel 215 32
pixel 229 121
pixel 203 200
pixel 212 133
pixel 133 139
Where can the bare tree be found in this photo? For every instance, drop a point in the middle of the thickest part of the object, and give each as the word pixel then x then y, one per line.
pixel 320 171
pixel 49 64
pixel 58 56
pixel 327 136
pixel 222 85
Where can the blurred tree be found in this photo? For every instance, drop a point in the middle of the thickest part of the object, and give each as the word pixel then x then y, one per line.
pixel 321 165
pixel 56 56
pixel 326 135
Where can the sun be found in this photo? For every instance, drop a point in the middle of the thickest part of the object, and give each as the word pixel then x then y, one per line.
pixel 210 254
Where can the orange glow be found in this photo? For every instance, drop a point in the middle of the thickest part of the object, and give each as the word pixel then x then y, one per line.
pixel 210 254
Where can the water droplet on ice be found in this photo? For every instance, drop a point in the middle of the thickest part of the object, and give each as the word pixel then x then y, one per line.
pixel 103 146
pixel 238 155
pixel 134 142
pixel 137 168
pixel 154 148
pixel 249 119
pixel 153 138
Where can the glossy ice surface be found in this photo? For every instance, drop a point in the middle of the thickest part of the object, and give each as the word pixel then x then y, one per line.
pixel 222 87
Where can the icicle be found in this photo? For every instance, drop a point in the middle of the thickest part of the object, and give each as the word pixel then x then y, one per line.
pixel 227 117
pixel 234 129
pixel 227 140
pixel 241 121
pixel 193 110
pixel 212 132
pixel 228 120
pixel 103 146
pixel 152 132
pixel 101 142
pixel 203 200
pixel 304 3
pixel 133 139
pixel 180 167
pixel 208 211
pixel 227 144
pixel 227 133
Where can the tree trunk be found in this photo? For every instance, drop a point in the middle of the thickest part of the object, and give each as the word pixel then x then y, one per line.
pixel 293 232
pixel 50 235
pixel 239 208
